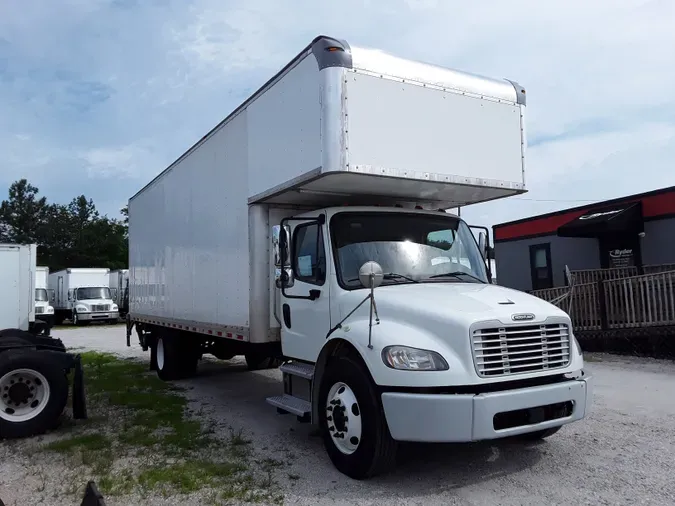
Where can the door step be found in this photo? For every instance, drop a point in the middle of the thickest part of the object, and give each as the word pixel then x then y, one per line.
pixel 289 404
pixel 299 369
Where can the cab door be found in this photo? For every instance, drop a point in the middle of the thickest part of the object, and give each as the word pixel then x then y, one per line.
pixel 304 298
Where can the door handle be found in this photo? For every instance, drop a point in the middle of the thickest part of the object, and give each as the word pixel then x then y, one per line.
pixel 314 294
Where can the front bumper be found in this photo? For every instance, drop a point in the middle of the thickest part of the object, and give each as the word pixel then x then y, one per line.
pixel 463 418
pixel 48 318
pixel 105 315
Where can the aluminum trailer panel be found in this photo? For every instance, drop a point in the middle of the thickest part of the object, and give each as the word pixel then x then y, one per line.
pixel 17 279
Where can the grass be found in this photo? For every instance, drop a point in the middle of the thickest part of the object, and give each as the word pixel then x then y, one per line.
pixel 146 441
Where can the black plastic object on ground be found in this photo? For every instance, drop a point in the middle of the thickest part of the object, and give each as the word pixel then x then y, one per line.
pixel 92 496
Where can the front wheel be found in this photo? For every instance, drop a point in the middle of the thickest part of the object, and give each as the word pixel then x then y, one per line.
pixel 352 421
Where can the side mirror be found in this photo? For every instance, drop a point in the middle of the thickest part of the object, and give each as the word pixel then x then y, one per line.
pixel 283 278
pixel 280 240
pixel 482 245
pixel 371 275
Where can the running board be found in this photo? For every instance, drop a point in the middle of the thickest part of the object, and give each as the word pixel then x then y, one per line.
pixel 289 404
pixel 299 369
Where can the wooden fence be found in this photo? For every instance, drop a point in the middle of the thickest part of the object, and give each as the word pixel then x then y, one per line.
pixel 595 275
pixel 629 302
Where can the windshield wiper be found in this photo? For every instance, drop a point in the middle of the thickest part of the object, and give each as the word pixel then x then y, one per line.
pixel 456 274
pixel 390 275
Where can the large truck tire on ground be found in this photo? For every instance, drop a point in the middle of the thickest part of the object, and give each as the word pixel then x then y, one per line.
pixel 309 227
pixel 34 368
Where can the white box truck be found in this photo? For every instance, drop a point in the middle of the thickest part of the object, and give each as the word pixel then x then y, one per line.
pixel 33 366
pixel 83 296
pixel 44 311
pixel 309 226
pixel 119 290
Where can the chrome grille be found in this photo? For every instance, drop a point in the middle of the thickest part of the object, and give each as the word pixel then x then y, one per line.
pixel 502 351
pixel 100 307
pixel 39 310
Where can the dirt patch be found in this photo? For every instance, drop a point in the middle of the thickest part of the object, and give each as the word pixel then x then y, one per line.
pixel 142 444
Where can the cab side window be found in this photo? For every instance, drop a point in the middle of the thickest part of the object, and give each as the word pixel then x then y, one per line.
pixel 309 258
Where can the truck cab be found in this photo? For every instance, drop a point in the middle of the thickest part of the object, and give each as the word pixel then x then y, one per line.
pixel 93 303
pixel 402 299
pixel 44 311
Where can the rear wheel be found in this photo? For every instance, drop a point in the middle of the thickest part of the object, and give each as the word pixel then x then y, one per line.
pixel 257 361
pixel 173 358
pixel 33 393
pixel 352 421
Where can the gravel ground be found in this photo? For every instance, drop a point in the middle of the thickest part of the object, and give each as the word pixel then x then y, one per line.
pixel 623 453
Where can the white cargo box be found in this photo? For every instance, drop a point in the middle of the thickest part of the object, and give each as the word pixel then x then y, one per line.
pixel 337 125
pixel 17 285
pixel 343 123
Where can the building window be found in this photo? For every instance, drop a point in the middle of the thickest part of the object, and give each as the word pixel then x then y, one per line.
pixel 540 266
pixel 309 256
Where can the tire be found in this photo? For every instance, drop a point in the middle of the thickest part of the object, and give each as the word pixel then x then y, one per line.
pixel 18 333
pixel 540 434
pixel 258 361
pixel 26 375
pixel 374 452
pixel 174 359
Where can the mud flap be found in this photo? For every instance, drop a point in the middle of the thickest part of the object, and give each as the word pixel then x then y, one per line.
pixel 92 496
pixel 79 401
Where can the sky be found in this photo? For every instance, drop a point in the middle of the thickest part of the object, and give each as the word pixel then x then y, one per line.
pixel 99 96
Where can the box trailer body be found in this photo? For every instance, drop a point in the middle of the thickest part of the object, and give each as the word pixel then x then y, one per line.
pixel 34 367
pixel 82 295
pixel 119 288
pixel 17 279
pixel 242 246
pixel 44 311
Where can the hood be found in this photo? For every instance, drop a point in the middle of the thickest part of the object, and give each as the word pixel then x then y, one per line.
pixel 469 302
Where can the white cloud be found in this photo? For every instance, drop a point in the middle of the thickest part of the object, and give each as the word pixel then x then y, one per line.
pixel 99 89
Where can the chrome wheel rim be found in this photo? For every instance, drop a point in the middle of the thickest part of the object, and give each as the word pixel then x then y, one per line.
pixel 343 417
pixel 24 394
pixel 160 354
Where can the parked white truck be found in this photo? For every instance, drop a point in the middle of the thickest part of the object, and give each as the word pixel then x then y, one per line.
pixel 33 366
pixel 44 311
pixel 82 295
pixel 119 290
pixel 309 226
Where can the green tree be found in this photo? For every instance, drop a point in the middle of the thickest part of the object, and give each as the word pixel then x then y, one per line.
pixel 23 215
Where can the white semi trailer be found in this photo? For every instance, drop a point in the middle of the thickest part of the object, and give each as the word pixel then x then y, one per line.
pixel 44 311
pixel 309 227
pixel 33 366
pixel 119 288
pixel 83 295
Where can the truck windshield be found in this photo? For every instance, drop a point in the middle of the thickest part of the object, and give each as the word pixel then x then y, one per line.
pixel 411 248
pixel 41 295
pixel 93 293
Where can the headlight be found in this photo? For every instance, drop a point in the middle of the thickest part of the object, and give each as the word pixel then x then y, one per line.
pixel 81 309
pixel 413 359
pixel 50 309
pixel 114 307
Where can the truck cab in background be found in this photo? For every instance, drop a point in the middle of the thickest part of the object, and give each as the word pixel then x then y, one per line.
pixel 83 296
pixel 44 311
